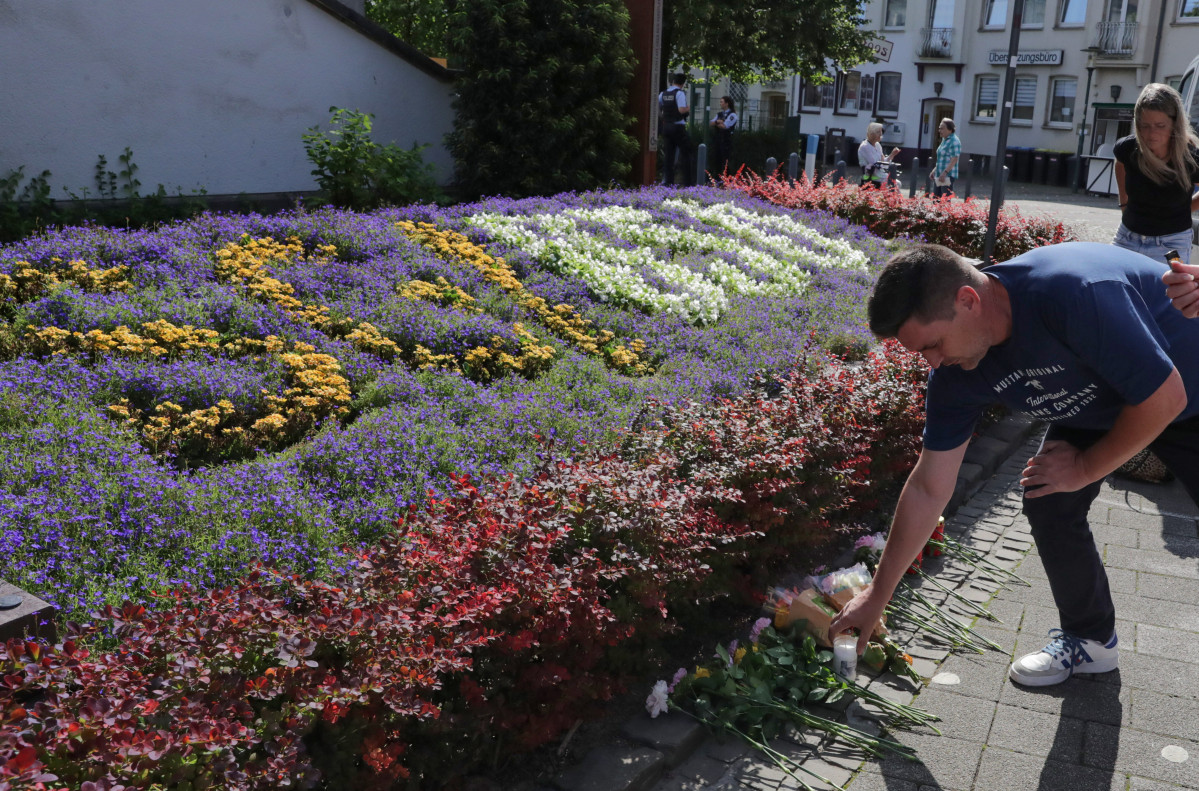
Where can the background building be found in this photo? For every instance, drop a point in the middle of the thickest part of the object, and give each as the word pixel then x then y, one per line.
pixel 947 58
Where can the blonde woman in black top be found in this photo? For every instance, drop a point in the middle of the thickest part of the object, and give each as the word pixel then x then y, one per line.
pixel 1157 169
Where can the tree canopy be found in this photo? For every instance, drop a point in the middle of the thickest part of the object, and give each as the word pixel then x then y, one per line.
pixel 744 40
pixel 747 40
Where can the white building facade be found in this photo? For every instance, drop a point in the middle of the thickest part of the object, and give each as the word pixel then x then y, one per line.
pixel 947 59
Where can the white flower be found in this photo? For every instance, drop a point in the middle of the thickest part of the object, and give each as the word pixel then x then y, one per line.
pixel 658 700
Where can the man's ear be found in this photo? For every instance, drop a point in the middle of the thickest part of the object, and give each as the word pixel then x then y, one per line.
pixel 968 298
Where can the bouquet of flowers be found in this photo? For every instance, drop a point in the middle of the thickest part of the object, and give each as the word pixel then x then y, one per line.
pixel 756 691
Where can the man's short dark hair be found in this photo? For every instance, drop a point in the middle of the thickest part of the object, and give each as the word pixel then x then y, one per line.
pixel 922 282
pixel 678 79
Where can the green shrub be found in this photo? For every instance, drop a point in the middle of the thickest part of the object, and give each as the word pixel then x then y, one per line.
pixel 355 172
pixel 541 103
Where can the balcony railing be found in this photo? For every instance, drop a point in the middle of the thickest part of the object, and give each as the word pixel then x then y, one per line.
pixel 1116 39
pixel 936 42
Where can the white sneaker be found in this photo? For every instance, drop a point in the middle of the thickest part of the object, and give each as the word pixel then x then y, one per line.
pixel 1063 657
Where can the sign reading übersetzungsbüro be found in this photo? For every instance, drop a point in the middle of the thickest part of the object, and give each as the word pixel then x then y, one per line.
pixel 1031 57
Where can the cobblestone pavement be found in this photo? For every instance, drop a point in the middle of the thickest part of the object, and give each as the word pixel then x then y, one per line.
pixel 1134 729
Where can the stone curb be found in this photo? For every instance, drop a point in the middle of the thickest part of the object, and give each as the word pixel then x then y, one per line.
pixel 658 745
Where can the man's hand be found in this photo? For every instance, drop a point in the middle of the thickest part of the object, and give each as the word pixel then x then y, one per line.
pixel 1057 467
pixel 1182 287
pixel 862 613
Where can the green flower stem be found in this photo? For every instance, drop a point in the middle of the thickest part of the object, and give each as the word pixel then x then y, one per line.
pixel 980 610
pixel 954 639
pixel 900 710
pixel 955 549
pixel 967 636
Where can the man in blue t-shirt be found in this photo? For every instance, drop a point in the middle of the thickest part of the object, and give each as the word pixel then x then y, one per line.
pixel 1079 335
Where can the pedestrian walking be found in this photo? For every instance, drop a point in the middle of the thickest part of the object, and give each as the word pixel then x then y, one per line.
pixel 1157 171
pixel 672 126
pixel 1081 335
pixel 945 172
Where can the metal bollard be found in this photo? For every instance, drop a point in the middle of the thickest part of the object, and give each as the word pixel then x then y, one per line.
pixel 772 165
pixel 701 163
pixel 917 166
pixel 969 177
pixel 839 171
pixel 793 166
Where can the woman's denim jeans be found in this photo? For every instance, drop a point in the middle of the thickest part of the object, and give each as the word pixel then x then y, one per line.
pixel 1155 246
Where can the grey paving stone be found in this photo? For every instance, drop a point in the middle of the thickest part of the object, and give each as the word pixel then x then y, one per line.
pixel 1009 612
pixel 1140 753
pixel 1037 733
pixel 1172 615
pixel 696 772
pixel 865 781
pixel 1174 543
pixel 610 767
pixel 1080 697
pixel 963 716
pixel 674 734
pixel 1144 784
pixel 1153 562
pixel 1113 534
pixel 1182 526
pixel 981 675
pixel 1168 643
pixel 944 762
pixel 1003 770
pixel 1122 580
pixel 1166 714
pixel 726 750
pixel 1145 671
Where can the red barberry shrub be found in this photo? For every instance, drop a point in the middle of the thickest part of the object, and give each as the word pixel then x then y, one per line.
pixel 959 225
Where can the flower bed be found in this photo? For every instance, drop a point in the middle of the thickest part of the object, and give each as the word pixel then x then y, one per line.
pixel 495 615
pixel 179 404
pixel 959 225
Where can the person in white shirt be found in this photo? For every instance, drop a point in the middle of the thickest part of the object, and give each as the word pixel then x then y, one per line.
pixel 870 157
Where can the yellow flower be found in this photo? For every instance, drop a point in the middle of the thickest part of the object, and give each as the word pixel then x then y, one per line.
pixel 703 672
pixel 739 654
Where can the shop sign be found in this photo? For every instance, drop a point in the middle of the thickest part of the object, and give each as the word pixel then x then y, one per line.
pixel 1032 57
pixel 881 47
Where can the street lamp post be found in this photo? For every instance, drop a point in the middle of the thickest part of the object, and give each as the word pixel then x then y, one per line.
pixel 1086 103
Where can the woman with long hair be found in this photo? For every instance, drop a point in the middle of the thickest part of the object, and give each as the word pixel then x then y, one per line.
pixel 1157 169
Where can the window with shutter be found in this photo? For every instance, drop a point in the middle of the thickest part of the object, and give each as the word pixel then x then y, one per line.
pixel 1025 100
pixel 828 95
pixel 987 104
pixel 867 100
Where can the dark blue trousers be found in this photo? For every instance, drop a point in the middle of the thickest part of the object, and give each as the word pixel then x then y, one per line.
pixel 677 143
pixel 1063 534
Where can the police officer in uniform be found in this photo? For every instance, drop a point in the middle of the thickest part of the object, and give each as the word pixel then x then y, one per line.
pixel 672 126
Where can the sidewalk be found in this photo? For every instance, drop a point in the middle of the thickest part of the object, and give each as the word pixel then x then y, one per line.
pixel 1134 729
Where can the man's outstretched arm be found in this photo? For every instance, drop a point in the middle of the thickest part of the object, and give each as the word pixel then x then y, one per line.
pixel 921 503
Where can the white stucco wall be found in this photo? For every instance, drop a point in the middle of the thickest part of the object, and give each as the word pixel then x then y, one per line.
pixel 207 93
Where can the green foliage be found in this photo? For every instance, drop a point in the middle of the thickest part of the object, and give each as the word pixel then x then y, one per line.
pixel 23 209
pixel 355 172
pixel 748 41
pixel 28 209
pixel 541 104
pixel 421 23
